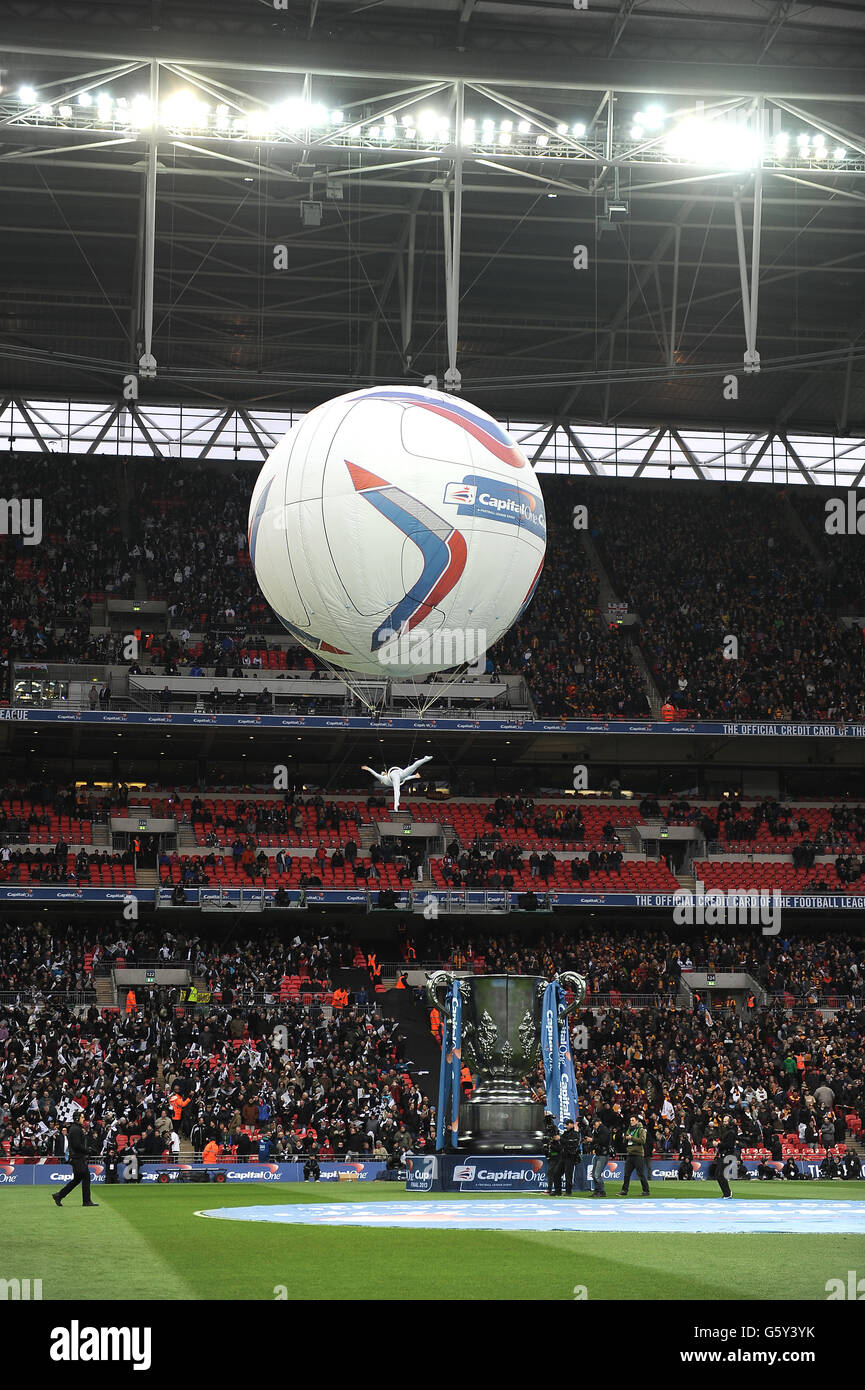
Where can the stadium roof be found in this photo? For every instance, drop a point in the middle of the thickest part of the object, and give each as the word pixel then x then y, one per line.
pixel 458 155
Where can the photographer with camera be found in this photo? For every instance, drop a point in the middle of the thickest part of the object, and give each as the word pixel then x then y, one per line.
pixel 555 1157
pixel 112 1163
pixel 572 1153
pixel 686 1156
pixel 311 1168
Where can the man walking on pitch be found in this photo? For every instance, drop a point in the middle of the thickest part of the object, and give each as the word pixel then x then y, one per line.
pixel 725 1163
pixel 601 1148
pixel 635 1160
pixel 76 1137
pixel 395 776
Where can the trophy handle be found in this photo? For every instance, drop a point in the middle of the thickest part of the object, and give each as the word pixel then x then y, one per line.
pixel 570 980
pixel 437 986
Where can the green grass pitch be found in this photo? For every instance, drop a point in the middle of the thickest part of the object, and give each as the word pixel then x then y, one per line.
pixel 146 1243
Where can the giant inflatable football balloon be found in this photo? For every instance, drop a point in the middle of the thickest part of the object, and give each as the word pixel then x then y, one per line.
pixel 397 531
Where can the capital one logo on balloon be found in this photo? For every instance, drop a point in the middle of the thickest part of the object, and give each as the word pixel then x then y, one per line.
pixel 396 527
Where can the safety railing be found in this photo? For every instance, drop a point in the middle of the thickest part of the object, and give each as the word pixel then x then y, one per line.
pixel 33 994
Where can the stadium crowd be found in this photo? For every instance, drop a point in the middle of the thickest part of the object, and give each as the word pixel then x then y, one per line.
pixel 696 563
pixel 573 664
pixel 253 1072
pixel 806 968
pixel 799 1080
pixel 784 1079
pixel 699 565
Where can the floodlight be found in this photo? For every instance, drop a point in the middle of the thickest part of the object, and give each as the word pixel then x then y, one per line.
pixel 260 123
pixel 716 144
pixel 141 112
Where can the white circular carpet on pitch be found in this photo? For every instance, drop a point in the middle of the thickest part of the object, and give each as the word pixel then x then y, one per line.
pixel 628 1214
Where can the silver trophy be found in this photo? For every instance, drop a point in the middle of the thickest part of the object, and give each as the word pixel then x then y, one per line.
pixel 501 1044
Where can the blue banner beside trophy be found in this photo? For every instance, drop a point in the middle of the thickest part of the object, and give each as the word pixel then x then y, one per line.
pixel 500 1026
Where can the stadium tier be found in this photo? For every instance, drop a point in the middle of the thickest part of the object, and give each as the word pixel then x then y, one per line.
pixel 260 1066
pixel 807 663
pixel 596 846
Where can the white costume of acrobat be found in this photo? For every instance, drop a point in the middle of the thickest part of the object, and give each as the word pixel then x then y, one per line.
pixel 395 776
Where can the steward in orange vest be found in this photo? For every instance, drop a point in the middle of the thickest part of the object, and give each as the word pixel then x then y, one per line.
pixel 178 1105
pixel 668 712
pixel 131 1003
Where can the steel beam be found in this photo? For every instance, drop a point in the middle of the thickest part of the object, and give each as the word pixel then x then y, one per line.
pixel 671 339
pixel 147 362
pixel 844 413
pixel 750 291
pixel 452 291
pixel 796 459
pixel 752 466
pixel 551 69
pixel 692 460
pixel 583 453
pixel 646 459
pixel 18 404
